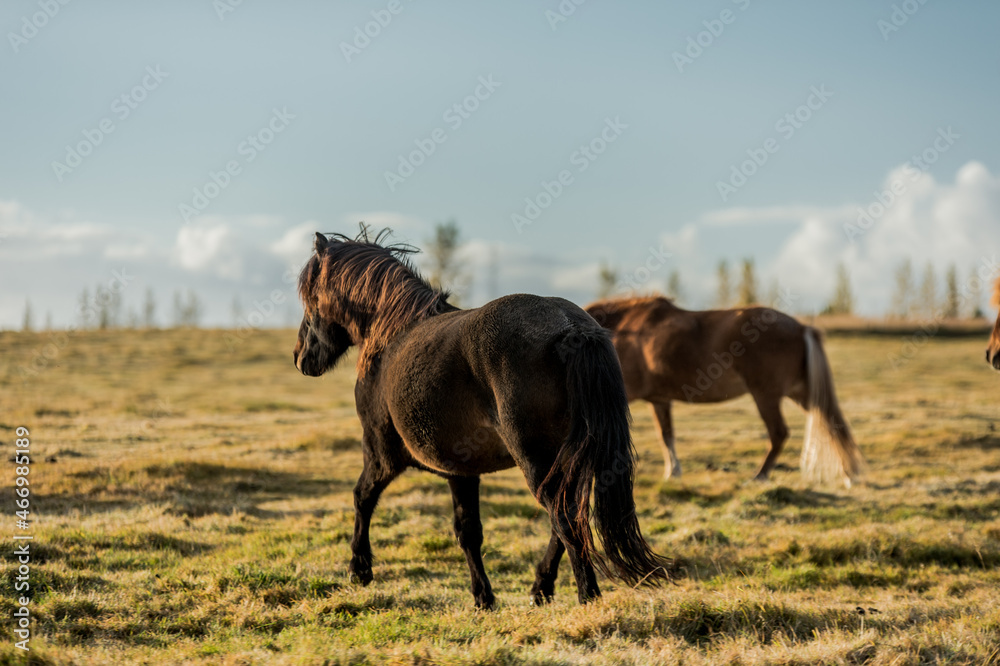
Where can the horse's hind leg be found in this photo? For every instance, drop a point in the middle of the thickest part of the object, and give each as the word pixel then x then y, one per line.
pixel 671 464
pixel 583 568
pixel 548 569
pixel 770 410
pixel 469 530
pixel 561 516
pixel 374 479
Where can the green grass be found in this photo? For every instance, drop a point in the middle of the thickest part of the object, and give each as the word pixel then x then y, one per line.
pixel 198 509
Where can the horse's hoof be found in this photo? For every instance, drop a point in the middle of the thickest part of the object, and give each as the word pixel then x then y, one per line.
pixel 486 602
pixel 363 578
pixel 541 599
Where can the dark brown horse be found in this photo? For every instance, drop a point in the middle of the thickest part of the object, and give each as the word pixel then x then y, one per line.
pixel 670 354
pixel 523 380
pixel 993 351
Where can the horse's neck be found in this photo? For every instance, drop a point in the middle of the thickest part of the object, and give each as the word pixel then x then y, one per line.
pixel 373 330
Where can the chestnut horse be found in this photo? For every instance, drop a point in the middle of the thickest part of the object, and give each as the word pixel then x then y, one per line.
pixel 993 351
pixel 524 380
pixel 669 354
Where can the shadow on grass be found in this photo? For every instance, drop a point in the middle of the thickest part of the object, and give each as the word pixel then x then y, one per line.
pixel 671 493
pixel 904 552
pixel 782 496
pixel 983 443
pixel 190 489
pixel 699 623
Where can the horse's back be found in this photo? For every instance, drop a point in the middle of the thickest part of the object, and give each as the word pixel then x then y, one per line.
pixel 471 376
pixel 668 353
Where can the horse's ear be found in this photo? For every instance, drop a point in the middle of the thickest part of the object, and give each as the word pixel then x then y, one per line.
pixel 321 243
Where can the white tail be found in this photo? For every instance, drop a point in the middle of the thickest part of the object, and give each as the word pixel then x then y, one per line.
pixel 829 452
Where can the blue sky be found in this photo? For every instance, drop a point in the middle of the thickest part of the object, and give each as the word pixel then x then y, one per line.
pixel 222 76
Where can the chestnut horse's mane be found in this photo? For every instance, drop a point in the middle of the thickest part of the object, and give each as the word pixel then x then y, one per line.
pixel 370 288
pixel 995 301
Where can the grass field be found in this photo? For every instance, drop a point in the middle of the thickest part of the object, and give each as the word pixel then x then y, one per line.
pixel 193 504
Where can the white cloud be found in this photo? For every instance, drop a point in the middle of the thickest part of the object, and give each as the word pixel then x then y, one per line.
pixel 295 246
pixel 932 223
pixel 211 248
pixel 731 217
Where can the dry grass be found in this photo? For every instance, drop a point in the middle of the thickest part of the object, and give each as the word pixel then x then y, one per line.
pixel 199 510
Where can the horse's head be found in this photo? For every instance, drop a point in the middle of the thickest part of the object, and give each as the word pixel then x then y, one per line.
pixel 322 341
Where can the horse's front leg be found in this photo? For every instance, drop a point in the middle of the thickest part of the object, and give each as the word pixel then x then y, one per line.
pixel 374 479
pixel 469 530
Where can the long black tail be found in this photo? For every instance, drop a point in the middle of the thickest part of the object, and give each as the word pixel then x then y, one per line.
pixel 598 454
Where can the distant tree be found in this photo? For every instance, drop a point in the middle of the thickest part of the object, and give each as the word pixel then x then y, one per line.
pixel 675 290
pixel 446 271
pixel 748 285
pixel 843 297
pixel 178 309
pixel 237 311
pixel 192 309
pixel 108 303
pixel 902 298
pixel 48 321
pixel 149 309
pixel 927 307
pixel 607 280
pixel 86 311
pixel 975 295
pixel 102 299
pixel 27 323
pixel 724 297
pixel 952 300
pixel 187 312
pixel 773 294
